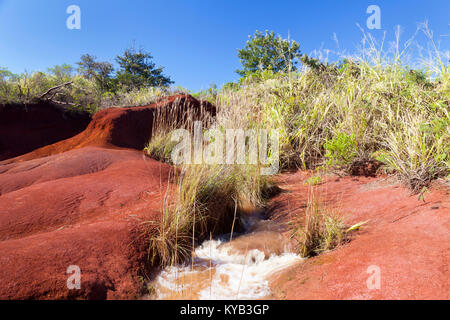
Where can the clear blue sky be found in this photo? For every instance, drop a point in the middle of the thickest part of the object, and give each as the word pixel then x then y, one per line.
pixel 195 40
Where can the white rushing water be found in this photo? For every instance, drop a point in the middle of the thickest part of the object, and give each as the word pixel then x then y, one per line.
pixel 220 272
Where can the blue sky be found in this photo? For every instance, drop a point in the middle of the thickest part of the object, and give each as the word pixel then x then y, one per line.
pixel 196 40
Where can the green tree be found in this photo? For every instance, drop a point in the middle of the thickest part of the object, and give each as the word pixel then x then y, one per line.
pixel 7 85
pixel 61 73
pixel 138 71
pixel 266 51
pixel 100 71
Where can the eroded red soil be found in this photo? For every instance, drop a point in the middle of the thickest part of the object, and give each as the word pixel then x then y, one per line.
pixel 24 128
pixel 125 127
pixel 83 202
pixel 406 237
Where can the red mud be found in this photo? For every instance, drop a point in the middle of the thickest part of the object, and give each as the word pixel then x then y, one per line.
pixel 407 238
pixel 24 128
pixel 82 202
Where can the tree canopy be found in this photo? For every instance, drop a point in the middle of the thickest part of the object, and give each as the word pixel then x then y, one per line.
pixel 267 51
pixel 137 70
pixel 98 70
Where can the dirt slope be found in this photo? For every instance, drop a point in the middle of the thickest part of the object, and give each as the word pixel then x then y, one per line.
pixel 124 127
pixel 83 201
pixel 24 128
pixel 407 238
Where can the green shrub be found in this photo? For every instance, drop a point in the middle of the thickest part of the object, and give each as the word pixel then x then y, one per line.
pixel 313 181
pixel 160 147
pixel 341 150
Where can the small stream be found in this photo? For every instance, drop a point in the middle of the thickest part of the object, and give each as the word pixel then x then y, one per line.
pixel 239 268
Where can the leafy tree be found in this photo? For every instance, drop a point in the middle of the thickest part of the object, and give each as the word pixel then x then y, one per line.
pixel 138 71
pixel 7 79
pixel 5 74
pixel 265 51
pixel 98 70
pixel 61 73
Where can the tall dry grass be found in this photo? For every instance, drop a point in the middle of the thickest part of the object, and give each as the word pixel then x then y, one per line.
pixel 367 107
pixel 320 229
pixel 208 198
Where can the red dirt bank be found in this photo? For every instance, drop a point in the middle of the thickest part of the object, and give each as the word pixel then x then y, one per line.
pixel 24 128
pixel 407 238
pixel 125 127
pixel 82 202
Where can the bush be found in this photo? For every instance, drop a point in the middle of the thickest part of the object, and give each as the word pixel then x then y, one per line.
pixel 341 150
pixel 419 151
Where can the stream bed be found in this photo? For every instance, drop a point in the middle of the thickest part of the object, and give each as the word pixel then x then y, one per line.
pixel 238 267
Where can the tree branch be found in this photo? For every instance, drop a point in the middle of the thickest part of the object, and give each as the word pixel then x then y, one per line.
pixel 54 88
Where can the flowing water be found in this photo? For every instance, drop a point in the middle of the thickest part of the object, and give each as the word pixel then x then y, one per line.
pixel 225 268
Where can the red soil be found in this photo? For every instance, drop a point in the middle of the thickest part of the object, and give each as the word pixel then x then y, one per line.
pixel 82 202
pixel 407 238
pixel 24 128
pixel 125 127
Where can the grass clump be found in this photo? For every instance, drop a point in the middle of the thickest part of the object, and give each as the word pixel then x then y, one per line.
pixel 313 181
pixel 207 199
pixel 420 152
pixel 320 229
pixel 160 147
pixel 207 202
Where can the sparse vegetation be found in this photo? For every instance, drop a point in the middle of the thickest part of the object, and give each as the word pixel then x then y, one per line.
pixel 313 181
pixel 320 229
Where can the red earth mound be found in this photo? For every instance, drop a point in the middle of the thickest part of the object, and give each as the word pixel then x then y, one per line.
pixel 407 238
pixel 24 128
pixel 87 216
pixel 126 127
pixel 84 201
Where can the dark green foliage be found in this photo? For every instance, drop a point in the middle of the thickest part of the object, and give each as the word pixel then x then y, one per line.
pixel 314 64
pixel 265 51
pixel 98 70
pixel 341 150
pixel 138 71
pixel 61 73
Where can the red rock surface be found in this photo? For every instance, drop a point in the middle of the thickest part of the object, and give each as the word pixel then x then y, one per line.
pixel 407 238
pixel 83 201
